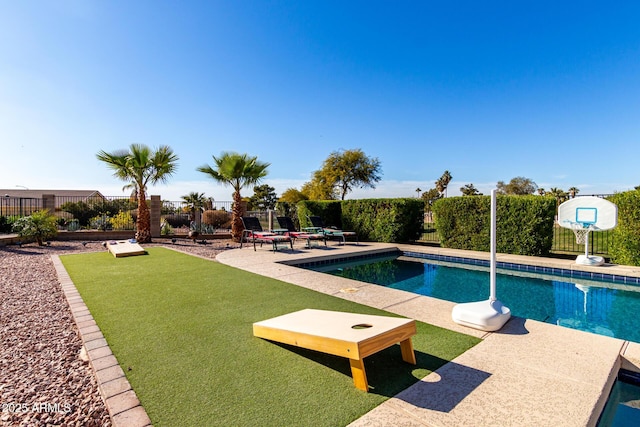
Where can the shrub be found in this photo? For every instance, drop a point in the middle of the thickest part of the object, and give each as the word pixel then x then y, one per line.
pixel 216 218
pixel 165 229
pixel 122 221
pixel 290 210
pixel 101 222
pixel 384 220
pixel 177 220
pixel 329 210
pixel 624 247
pixel 40 225
pixel 524 223
pixel 5 227
pixel 381 220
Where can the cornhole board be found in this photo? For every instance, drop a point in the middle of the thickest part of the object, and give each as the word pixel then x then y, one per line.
pixel 350 335
pixel 124 248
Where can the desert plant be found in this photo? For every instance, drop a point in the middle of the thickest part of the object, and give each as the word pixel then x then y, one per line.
pixel 122 221
pixel 165 229
pixel 101 222
pixel 216 218
pixel 177 220
pixel 40 225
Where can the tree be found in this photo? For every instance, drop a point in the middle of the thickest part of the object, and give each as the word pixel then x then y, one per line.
pixel 346 169
pixel 418 191
pixel 319 188
pixel 140 166
pixel 443 182
pixel 291 195
pixel 573 191
pixel 194 201
pixel 430 196
pixel 541 191
pixel 519 186
pixel 470 190
pixel 237 171
pixel 264 197
pixel 40 225
pixel 558 193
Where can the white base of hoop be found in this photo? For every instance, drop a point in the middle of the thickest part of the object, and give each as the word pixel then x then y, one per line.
pixel 484 315
pixel 589 260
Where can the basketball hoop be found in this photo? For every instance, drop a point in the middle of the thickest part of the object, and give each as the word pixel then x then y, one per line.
pixel 585 214
pixel 581 231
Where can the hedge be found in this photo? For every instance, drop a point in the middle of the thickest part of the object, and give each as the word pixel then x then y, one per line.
pixel 384 220
pixel 524 223
pixel 380 220
pixel 624 246
pixel 329 210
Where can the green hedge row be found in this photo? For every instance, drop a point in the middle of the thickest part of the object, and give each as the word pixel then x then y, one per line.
pixel 385 220
pixel 624 247
pixel 329 210
pixel 379 220
pixel 524 223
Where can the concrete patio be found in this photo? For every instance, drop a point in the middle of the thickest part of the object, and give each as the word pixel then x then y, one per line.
pixel 527 374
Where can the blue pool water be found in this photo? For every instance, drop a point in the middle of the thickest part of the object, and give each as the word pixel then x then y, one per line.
pixel 603 308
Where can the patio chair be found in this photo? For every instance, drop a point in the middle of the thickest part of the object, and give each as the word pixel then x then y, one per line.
pixel 332 232
pixel 286 223
pixel 253 231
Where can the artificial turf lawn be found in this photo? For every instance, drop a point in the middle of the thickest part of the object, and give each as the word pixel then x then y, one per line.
pixel 181 329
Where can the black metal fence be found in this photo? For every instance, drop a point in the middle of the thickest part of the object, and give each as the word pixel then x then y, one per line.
pixel 114 213
pixel 120 213
pixel 564 241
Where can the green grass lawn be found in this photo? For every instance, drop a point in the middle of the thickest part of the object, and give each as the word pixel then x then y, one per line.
pixel 181 329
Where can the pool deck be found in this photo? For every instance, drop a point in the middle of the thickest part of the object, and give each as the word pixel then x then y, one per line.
pixel 527 374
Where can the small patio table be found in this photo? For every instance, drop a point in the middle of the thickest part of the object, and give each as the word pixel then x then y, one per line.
pixel 350 335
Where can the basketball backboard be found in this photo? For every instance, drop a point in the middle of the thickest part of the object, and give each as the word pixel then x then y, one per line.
pixel 592 211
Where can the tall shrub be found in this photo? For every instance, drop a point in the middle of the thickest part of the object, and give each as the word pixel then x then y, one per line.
pixel 524 223
pixel 329 210
pixel 384 220
pixel 624 247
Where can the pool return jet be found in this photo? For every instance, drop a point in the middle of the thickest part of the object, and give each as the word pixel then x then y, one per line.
pixel 489 315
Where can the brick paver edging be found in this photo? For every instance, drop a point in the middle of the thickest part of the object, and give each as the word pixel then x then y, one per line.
pixel 120 399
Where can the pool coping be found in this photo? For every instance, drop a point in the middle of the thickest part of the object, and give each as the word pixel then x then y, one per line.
pixel 522 386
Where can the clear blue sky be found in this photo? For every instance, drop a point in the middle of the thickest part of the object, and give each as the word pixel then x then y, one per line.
pixel 490 90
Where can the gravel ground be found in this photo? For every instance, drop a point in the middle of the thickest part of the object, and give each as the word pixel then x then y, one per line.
pixel 43 380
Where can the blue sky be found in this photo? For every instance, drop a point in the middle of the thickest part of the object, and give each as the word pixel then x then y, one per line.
pixel 487 90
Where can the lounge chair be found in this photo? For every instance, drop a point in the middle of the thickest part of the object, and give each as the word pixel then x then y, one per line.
pixel 332 232
pixel 286 223
pixel 253 231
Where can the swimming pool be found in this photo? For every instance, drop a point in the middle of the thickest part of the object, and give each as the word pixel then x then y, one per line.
pixel 574 300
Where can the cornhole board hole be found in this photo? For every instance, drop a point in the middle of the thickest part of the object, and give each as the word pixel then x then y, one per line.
pixel 350 335
pixel 124 248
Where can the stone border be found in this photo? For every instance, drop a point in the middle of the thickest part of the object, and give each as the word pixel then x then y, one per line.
pixel 121 401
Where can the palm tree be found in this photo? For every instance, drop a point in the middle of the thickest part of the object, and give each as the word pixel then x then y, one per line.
pixel 139 166
pixel 573 191
pixel 237 171
pixel 443 182
pixel 193 202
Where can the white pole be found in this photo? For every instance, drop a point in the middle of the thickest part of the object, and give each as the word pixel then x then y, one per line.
pixel 492 296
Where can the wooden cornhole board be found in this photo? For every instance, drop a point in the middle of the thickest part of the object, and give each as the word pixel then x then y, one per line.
pixel 350 335
pixel 124 248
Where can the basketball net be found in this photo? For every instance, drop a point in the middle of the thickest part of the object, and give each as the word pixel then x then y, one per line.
pixel 581 231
